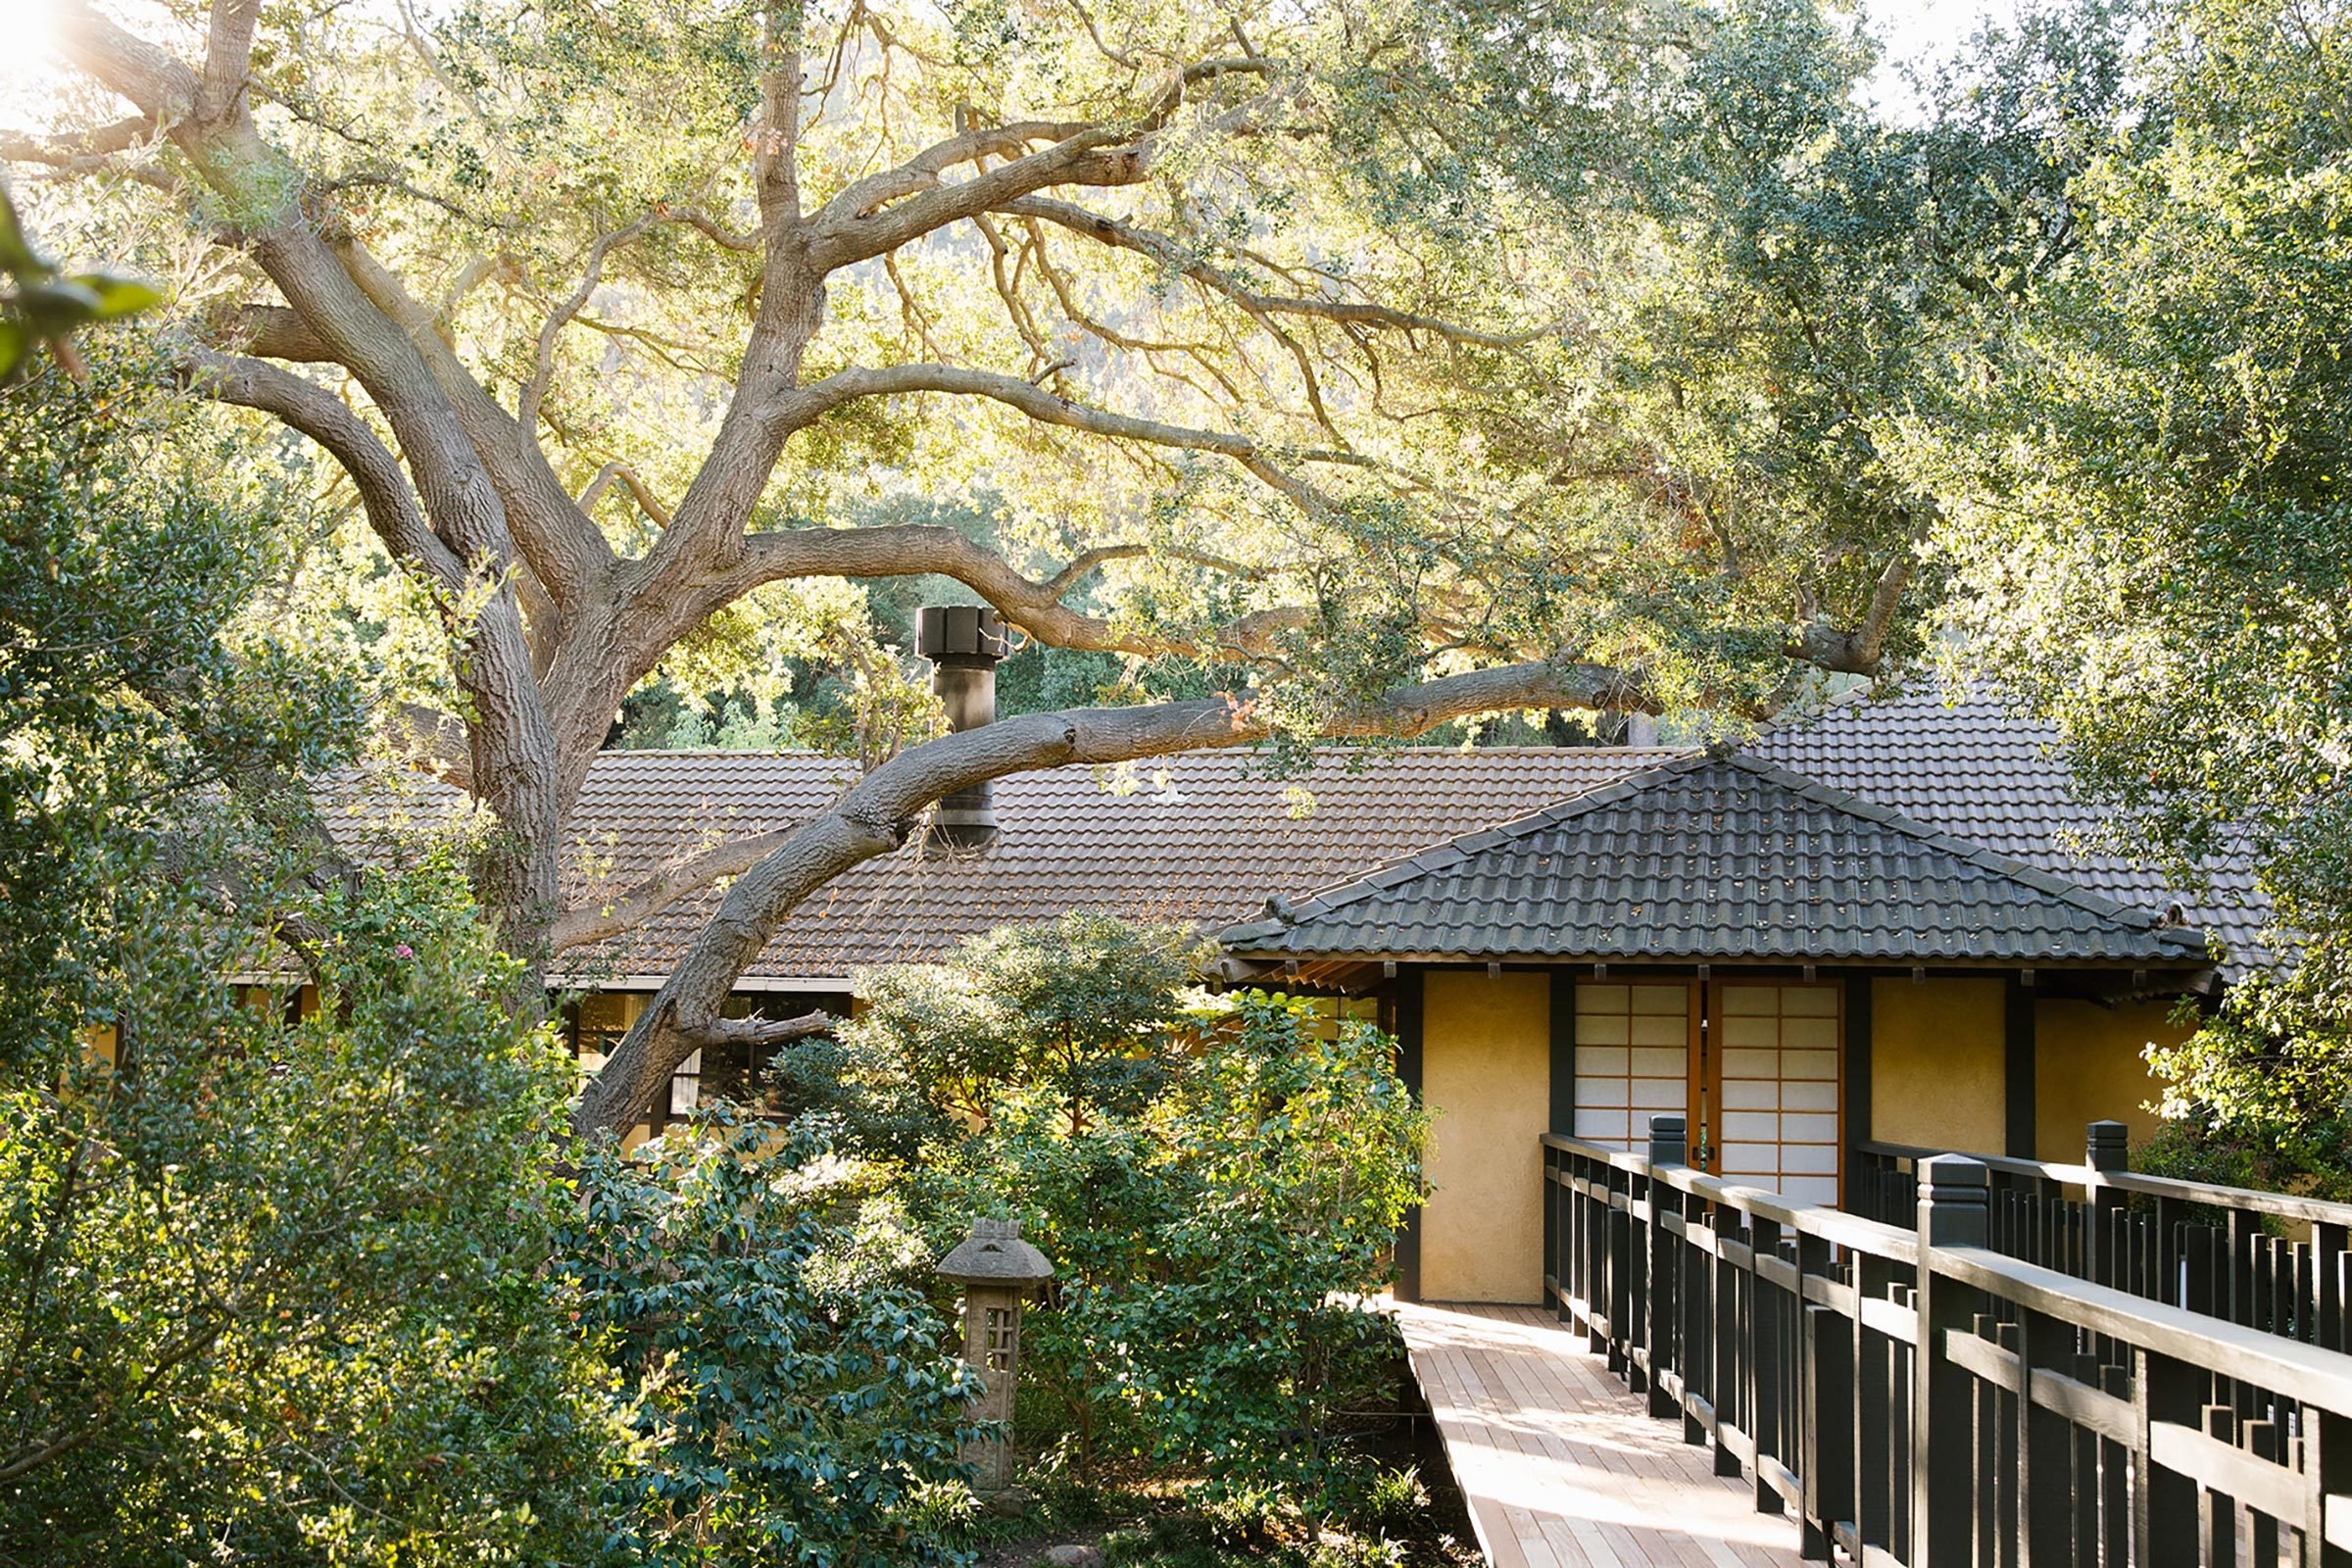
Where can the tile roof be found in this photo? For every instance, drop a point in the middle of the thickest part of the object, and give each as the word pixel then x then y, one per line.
pixel 1965 764
pixel 1719 856
pixel 1201 837
pixel 1204 838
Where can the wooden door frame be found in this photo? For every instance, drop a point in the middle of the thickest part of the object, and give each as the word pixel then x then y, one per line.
pixel 1705 1093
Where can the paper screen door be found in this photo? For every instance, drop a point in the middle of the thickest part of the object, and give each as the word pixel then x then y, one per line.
pixel 1773 1088
pixel 1633 1059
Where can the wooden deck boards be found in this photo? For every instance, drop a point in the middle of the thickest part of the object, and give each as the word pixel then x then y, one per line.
pixel 1560 1466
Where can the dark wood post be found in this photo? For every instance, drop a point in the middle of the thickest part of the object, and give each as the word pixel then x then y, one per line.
pixel 1952 1212
pixel 1617 1283
pixel 1825 1430
pixel 2016 1034
pixel 2047 1502
pixel 2164 1503
pixel 1562 1024
pixel 2328 1467
pixel 1854 1195
pixel 1669 1141
pixel 2106 1147
pixel 1669 1147
pixel 1875 1429
pixel 1768 1377
pixel 1561 1120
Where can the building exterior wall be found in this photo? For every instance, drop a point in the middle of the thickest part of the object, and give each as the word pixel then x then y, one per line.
pixel 1484 1069
pixel 1937 1064
pixel 2087 1067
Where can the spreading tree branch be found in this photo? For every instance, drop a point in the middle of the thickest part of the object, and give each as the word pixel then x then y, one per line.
pixel 1181 259
pixel 916 549
pixel 876 815
pixel 649 898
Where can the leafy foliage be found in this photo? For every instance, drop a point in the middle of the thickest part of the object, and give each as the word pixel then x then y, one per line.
pixel 42 307
pixel 268 1289
pixel 1075 1013
pixel 790 1395
pixel 1214 1182
pixel 2149 529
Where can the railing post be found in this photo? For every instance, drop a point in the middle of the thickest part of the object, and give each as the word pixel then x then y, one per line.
pixel 1669 1141
pixel 1824 1432
pixel 1619 1285
pixel 2328 1467
pixel 1952 1212
pixel 1553 1271
pixel 2106 1147
pixel 1668 1147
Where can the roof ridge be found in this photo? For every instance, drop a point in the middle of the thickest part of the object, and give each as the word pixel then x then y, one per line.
pixel 1455 850
pixel 2015 870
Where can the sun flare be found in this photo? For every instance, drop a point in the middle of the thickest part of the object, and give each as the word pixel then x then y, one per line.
pixel 28 59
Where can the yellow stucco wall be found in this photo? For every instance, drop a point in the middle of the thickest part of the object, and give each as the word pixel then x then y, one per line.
pixel 1485 1070
pixel 1937 1063
pixel 2087 1067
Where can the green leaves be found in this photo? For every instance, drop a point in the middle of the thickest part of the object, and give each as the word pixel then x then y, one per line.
pixel 280 1281
pixel 786 1388
pixel 42 307
pixel 1211 1186
pixel 2149 537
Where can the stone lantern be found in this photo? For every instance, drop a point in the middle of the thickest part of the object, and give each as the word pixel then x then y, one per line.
pixel 998 1272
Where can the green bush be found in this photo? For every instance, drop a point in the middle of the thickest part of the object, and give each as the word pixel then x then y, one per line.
pixel 276 1292
pixel 1217 1181
pixel 270 1292
pixel 791 1397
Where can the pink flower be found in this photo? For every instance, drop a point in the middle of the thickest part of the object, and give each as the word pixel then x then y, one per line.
pixel 404 951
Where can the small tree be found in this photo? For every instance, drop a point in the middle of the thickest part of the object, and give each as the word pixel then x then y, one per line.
pixel 790 1393
pixel 1215 1184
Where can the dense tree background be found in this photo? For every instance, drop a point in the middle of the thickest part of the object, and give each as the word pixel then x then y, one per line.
pixel 1348 370
pixel 2148 539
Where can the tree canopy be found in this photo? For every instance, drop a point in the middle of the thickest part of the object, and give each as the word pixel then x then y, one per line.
pixel 1339 370
pixel 2149 537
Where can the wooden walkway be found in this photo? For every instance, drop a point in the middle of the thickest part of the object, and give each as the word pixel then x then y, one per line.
pixel 1560 1466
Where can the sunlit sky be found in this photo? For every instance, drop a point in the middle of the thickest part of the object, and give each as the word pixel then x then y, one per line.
pixel 1918 31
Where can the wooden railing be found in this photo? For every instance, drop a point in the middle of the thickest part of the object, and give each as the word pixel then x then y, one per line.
pixel 2263 1260
pixel 1915 1397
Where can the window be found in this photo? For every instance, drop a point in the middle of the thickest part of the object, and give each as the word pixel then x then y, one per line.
pixel 1002 1328
pixel 1633 1059
pixel 598 1023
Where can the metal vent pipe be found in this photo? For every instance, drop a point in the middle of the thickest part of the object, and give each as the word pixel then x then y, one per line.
pixel 963 642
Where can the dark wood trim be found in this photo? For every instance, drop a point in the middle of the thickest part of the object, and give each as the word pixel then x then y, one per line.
pixel 1409 1068
pixel 1563 1051
pixel 2016 1038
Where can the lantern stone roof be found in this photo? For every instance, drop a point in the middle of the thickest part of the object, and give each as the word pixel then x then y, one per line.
pixel 995 1255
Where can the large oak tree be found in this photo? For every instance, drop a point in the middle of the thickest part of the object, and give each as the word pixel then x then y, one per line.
pixel 1411 360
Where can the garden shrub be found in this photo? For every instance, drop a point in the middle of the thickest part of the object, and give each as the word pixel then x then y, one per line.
pixel 791 1394
pixel 1217 1181
pixel 276 1292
